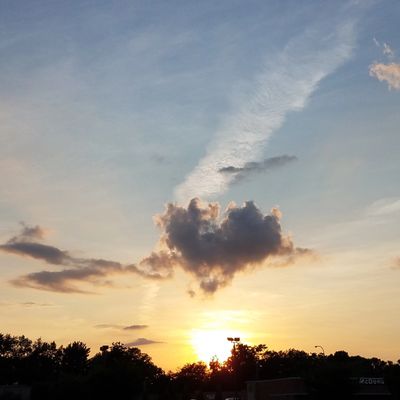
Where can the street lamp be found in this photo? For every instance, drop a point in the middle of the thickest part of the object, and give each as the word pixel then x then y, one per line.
pixel 323 351
pixel 234 340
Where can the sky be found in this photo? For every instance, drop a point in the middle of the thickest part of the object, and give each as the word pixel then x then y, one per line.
pixel 173 173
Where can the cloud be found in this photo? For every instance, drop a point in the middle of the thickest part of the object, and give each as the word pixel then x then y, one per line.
pixel 134 327
pixel 125 328
pixel 285 85
pixel 94 271
pixel 27 304
pixel 257 167
pixel 64 281
pixel 141 342
pixel 108 326
pixel 49 254
pixel 28 233
pixel 387 50
pixel 298 254
pixel 34 304
pixel 214 249
pixel 386 72
pixel 385 206
pixel 396 263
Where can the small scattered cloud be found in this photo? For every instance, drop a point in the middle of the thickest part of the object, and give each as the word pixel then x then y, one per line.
pixel 257 167
pixel 26 304
pixel 376 41
pixel 79 270
pixel 390 73
pixel 121 327
pixel 387 50
pixel 142 342
pixel 214 249
pixel 134 327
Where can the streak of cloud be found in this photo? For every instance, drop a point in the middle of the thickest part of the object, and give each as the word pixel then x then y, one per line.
pixel 385 206
pixel 134 327
pixel 142 342
pixel 79 270
pixel 26 304
pixel 214 250
pixel 122 327
pixel 286 84
pixel 249 168
pixel 65 281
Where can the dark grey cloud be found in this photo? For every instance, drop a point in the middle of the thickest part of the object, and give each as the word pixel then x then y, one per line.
pixel 214 250
pixel 257 167
pixel 26 244
pixel 65 281
pixel 141 342
pixel 78 270
pixel 49 254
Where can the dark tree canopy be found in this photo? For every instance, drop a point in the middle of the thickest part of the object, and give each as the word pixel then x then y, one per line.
pixel 118 371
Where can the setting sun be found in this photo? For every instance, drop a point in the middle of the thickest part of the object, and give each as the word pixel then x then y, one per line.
pixel 210 344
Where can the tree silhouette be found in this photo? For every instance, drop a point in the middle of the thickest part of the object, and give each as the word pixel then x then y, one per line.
pixel 118 371
pixel 75 358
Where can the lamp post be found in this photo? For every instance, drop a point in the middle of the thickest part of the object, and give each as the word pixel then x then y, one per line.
pixel 323 351
pixel 234 340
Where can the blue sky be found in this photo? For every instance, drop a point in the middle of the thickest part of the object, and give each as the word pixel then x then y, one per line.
pixel 110 110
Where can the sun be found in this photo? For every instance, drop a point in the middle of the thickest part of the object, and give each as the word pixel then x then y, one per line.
pixel 209 344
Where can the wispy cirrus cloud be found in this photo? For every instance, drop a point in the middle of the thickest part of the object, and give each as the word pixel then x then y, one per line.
pixel 384 206
pixel 287 82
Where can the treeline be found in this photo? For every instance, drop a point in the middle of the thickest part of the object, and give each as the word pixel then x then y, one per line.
pixel 119 372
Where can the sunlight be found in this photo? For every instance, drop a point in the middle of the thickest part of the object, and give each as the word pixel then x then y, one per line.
pixel 212 343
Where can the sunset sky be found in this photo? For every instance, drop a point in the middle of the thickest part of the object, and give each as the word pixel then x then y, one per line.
pixel 176 172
